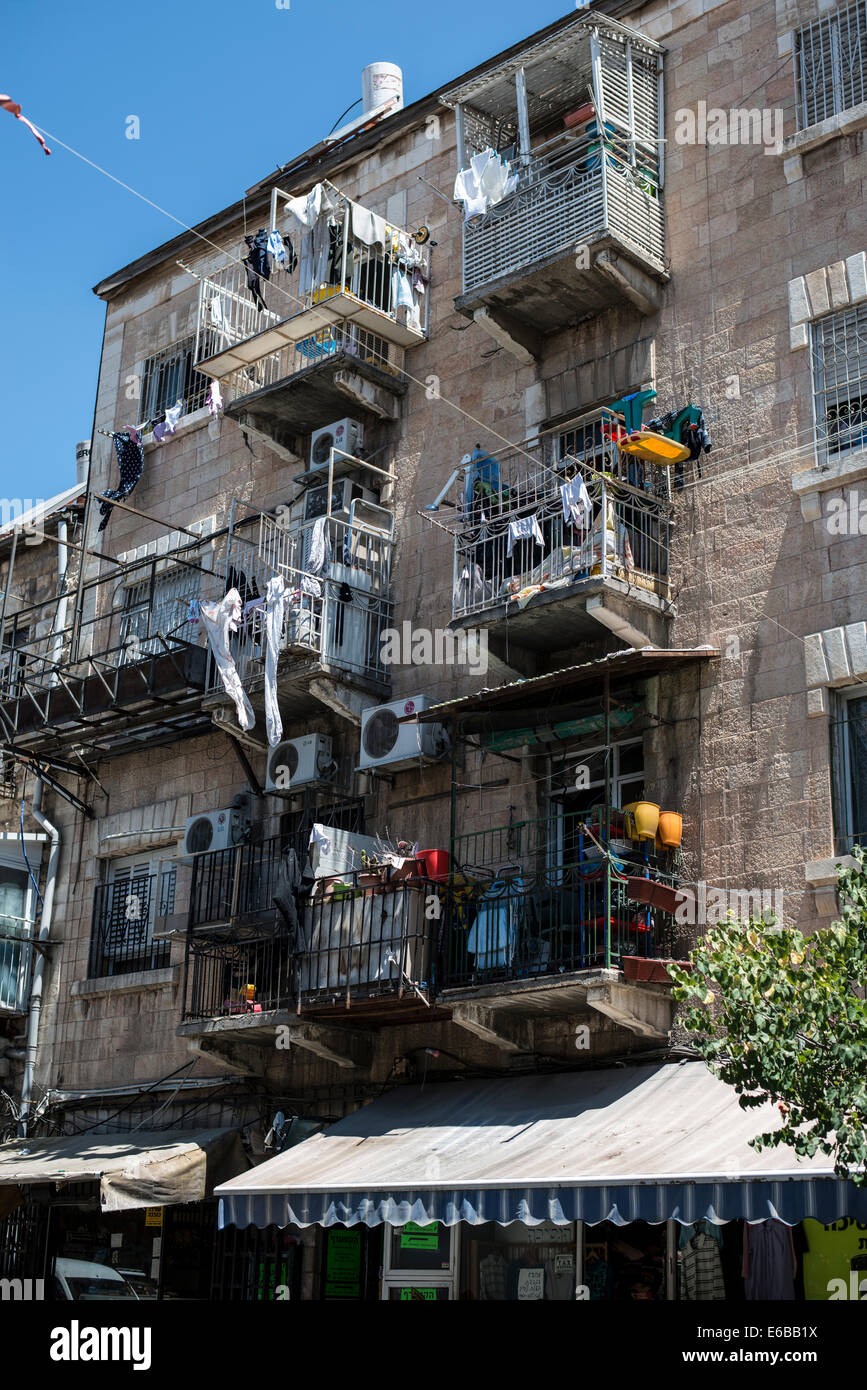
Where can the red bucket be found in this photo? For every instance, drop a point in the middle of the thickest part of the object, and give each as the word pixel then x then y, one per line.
pixel 436 863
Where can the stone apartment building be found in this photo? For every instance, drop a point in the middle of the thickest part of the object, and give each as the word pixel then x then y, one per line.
pixel 687 220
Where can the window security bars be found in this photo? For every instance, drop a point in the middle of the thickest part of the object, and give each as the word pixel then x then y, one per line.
pixel 125 913
pixel 839 359
pixel 849 771
pixel 831 65
pixel 169 376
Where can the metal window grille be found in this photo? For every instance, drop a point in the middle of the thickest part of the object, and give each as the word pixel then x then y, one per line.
pixel 849 768
pixel 164 614
pixel 839 349
pixel 124 915
pixel 169 376
pixel 830 65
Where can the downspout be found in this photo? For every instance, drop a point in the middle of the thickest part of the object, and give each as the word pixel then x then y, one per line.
pixel 35 1006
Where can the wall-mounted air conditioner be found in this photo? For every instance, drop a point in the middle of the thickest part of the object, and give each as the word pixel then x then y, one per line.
pixel 343 494
pixel 214 830
pixel 387 743
pixel 346 435
pixel 298 761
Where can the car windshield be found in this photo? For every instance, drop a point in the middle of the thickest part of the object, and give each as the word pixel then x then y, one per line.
pixel 84 1290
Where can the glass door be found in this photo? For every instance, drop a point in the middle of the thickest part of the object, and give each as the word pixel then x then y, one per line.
pixel 420 1262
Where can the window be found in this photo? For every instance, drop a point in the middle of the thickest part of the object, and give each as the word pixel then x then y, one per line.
pixel 169 376
pixel 831 59
pixel 12 661
pixel 572 803
pixel 139 893
pixel 146 620
pixel 849 771
pixel 17 907
pixel 839 360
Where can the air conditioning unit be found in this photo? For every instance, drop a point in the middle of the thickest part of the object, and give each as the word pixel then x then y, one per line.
pixel 297 761
pixel 387 743
pixel 347 435
pixel 215 830
pixel 343 494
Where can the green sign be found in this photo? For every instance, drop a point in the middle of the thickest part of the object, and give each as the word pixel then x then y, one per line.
pixel 406 1294
pixel 343 1264
pixel 413 1237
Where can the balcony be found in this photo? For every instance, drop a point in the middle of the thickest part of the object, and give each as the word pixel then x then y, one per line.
pixel 115 663
pixel 257 949
pixel 577 117
pixel 553 588
pixel 323 337
pixel 337 611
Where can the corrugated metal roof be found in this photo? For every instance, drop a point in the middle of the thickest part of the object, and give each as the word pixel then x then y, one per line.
pixel 28 520
pixel 643 662
pixel 629 1143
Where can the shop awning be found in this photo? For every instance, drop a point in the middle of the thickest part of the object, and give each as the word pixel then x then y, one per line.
pixel 634 1143
pixel 139 1169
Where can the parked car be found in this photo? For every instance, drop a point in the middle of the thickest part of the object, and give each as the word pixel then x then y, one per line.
pixel 141 1284
pixel 83 1281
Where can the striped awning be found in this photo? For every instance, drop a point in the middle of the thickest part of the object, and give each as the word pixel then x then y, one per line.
pixel 637 1143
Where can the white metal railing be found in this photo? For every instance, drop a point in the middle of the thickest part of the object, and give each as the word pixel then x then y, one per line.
pixel 831 64
pixel 627 537
pixel 338 571
pixel 335 293
pixel 570 194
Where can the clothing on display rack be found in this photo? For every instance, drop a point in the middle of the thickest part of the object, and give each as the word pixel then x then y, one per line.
pixel 130 459
pixel 492 1277
pixel 701 1267
pixel 220 620
pixel 769 1261
pixel 275 608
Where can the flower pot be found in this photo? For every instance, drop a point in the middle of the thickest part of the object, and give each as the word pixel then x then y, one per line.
pixel 584 113
pixel 649 969
pixel 647 890
pixel 670 829
pixel 642 820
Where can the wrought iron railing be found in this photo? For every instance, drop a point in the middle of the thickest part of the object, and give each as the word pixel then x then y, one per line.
pixel 831 64
pixel 367 941
pixel 567 198
pixel 228 979
pixel 125 914
pixel 500 555
pixel 236 886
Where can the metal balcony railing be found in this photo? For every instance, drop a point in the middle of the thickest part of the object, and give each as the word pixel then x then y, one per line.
pixel 538 898
pixel 831 64
pixel 628 537
pixel 341 294
pixel 365 942
pixel 235 887
pixel 339 577
pixel 568 197
pixel 125 914
pixel 236 978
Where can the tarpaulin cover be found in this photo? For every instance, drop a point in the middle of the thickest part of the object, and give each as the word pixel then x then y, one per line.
pixel 139 1169
pixel 646 1143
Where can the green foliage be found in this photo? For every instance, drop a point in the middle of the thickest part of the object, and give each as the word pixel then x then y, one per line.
pixel 782 1017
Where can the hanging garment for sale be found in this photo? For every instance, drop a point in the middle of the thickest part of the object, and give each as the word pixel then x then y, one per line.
pixel 220 621
pixel 275 608
pixel 130 458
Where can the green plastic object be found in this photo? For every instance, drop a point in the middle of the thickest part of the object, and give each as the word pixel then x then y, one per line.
pixel 632 408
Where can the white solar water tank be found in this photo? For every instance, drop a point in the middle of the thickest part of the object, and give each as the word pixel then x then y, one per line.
pixel 380 82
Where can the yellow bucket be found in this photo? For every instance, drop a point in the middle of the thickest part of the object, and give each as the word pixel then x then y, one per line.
pixel 656 448
pixel 641 819
pixel 670 829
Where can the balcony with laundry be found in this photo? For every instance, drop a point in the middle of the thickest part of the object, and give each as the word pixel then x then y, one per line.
pixel 273 938
pixel 308 598
pixel 559 542
pixel 560 178
pixel 311 318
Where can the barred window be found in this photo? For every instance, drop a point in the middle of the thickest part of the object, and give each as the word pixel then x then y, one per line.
pixel 839 348
pixel 169 376
pixel 831 58
pixel 849 771
pixel 137 897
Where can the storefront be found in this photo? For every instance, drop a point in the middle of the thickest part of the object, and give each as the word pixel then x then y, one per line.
pixel 137 1206
pixel 635 1183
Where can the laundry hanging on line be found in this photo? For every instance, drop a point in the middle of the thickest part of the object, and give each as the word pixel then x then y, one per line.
pixel 276 596
pixel 215 399
pixel 220 621
pixel 14 109
pixel 485 182
pixel 281 248
pixel 130 458
pixel 168 427
pixel 526 528
pixel 577 507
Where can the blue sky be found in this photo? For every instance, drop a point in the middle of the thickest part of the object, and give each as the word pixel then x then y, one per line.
pixel 224 93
